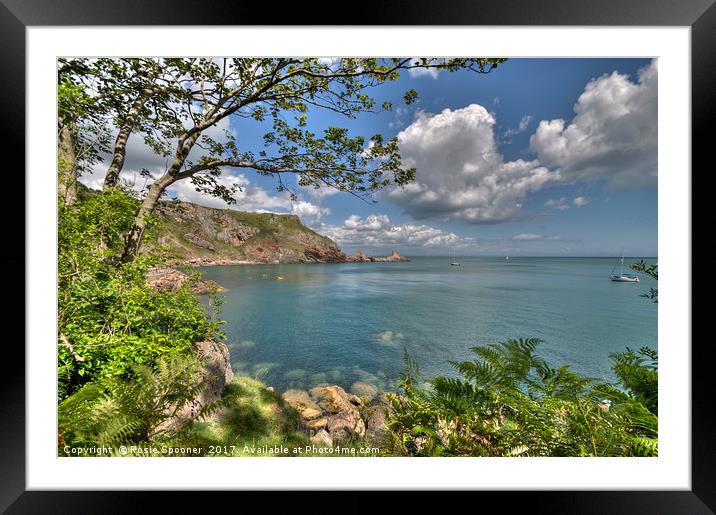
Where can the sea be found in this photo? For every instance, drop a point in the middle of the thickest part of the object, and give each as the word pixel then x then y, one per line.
pixel 298 325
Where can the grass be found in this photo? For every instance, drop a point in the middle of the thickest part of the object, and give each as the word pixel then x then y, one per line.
pixel 258 422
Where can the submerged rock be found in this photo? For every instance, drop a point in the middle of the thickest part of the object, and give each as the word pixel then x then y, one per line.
pixel 362 389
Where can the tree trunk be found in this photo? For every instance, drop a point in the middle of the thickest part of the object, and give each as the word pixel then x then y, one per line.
pixel 111 179
pixel 67 165
pixel 146 208
pixel 134 238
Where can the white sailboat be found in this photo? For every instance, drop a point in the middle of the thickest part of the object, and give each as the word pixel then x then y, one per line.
pixel 455 262
pixel 621 276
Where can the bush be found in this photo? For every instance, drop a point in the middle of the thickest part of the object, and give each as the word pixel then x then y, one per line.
pixel 108 318
pixel 509 402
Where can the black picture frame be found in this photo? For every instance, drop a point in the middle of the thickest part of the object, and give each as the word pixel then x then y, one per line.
pixel 699 15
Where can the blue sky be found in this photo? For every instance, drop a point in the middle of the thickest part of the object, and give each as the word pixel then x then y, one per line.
pixel 540 157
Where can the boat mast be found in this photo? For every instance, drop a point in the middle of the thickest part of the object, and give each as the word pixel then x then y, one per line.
pixel 622 272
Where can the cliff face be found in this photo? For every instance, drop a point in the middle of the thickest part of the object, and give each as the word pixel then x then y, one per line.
pixel 193 234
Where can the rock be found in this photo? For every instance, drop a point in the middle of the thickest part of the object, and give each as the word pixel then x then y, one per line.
pixel 199 240
pixel 326 254
pixel 303 404
pixel 310 413
pixel 334 399
pixel 217 367
pixel 376 416
pixel 216 373
pixel 235 233
pixel 346 425
pixel 360 257
pixel 170 279
pixel 208 236
pixel 269 389
pixel 362 389
pixel 394 256
pixel 319 423
pixel 322 439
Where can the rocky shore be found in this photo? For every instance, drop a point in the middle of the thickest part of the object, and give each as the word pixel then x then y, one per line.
pixel 331 415
pixel 360 257
pixel 330 255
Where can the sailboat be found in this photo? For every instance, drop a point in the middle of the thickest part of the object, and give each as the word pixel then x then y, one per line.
pixel 621 276
pixel 455 262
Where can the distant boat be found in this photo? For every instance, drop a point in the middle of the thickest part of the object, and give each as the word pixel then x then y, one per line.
pixel 621 276
pixel 507 258
pixel 455 262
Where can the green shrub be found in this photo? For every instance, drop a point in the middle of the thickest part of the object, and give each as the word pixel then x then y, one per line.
pixel 509 402
pixel 108 318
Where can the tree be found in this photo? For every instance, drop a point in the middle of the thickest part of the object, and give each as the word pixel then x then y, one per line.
pixel 82 135
pixel 174 102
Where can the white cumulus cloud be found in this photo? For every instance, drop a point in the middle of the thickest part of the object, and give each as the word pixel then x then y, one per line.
pixel 460 174
pixel 376 231
pixel 613 135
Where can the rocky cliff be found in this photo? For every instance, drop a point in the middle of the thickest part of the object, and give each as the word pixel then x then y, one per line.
pixel 199 235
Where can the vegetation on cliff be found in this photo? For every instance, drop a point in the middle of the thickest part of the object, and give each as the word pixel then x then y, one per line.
pixel 187 233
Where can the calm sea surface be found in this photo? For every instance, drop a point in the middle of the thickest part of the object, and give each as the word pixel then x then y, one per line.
pixel 342 323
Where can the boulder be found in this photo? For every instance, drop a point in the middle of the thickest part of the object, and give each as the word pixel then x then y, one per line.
pixel 335 399
pixel 215 373
pixel 319 423
pixel 303 404
pixel 168 279
pixel 322 439
pixel 376 416
pixel 346 425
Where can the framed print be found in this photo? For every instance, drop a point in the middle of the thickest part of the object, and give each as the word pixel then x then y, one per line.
pixel 265 242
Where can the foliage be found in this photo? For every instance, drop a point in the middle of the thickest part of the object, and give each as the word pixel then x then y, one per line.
pixel 651 270
pixel 83 114
pixel 508 401
pixel 114 411
pixel 108 317
pixel 173 103
pixel 638 372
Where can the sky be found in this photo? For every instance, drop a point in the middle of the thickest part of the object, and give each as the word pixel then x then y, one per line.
pixel 541 157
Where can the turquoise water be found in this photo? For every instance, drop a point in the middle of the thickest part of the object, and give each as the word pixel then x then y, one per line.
pixel 342 323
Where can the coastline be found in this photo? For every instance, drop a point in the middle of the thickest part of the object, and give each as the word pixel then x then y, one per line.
pixel 359 257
